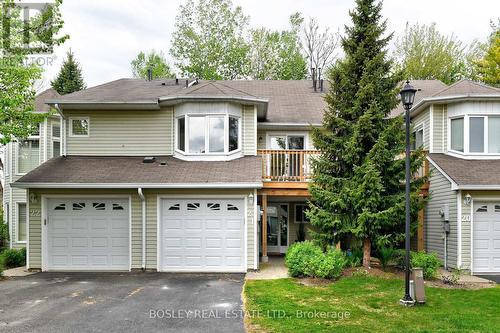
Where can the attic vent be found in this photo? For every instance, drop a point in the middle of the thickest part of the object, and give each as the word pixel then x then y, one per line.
pixel 192 83
pixel 149 159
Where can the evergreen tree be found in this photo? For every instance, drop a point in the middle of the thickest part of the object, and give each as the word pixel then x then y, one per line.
pixel 70 77
pixel 358 188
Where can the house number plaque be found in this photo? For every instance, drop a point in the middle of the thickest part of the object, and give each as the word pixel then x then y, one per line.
pixel 35 212
pixel 466 218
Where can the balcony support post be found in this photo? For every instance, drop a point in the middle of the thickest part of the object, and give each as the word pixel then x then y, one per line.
pixel 264 228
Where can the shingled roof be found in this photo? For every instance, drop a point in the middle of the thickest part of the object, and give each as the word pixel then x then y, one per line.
pixel 43 97
pixel 469 173
pixel 467 87
pixel 112 171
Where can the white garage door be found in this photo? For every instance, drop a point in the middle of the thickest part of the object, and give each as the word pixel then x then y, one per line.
pixel 88 234
pixel 486 238
pixel 202 235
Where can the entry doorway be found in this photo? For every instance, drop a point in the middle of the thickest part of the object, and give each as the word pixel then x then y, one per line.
pixel 277 228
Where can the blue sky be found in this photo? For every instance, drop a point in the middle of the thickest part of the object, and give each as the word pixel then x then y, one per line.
pixel 106 35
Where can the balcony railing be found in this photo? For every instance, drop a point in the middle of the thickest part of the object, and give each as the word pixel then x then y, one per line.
pixel 287 165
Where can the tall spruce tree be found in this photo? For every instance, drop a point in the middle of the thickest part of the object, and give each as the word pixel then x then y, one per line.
pixel 70 77
pixel 358 188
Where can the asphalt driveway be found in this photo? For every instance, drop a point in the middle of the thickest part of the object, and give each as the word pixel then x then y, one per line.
pixel 122 302
pixel 494 278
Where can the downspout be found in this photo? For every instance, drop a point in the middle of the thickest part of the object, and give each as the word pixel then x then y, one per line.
pixel 143 201
pixel 63 130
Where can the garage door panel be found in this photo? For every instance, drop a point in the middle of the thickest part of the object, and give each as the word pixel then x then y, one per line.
pixel 79 242
pixel 202 235
pixel 88 234
pixel 486 238
pixel 214 243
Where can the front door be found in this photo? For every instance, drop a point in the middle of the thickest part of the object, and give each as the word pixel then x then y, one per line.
pixel 277 228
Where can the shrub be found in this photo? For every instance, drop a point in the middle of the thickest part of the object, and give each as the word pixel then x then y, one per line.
pixel 4 235
pixel 299 257
pixel 13 258
pixel 385 255
pixel 329 265
pixel 354 257
pixel 307 259
pixel 429 262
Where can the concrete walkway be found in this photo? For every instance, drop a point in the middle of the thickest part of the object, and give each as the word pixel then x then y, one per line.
pixel 273 269
pixel 16 272
pixel 465 278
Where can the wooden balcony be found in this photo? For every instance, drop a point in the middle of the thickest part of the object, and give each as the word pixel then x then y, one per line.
pixel 286 171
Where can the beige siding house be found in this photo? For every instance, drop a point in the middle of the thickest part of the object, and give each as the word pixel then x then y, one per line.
pixel 461 126
pixel 213 176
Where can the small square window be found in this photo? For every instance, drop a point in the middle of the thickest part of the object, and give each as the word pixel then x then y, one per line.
pixel 79 126
pixel 482 209
pixel 78 205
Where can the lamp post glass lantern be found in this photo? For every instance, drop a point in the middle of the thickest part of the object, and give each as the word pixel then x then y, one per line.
pixel 407 98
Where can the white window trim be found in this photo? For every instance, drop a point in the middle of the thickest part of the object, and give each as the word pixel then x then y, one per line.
pixel 224 115
pixel 17 143
pixel 295 214
pixel 71 127
pixel 17 222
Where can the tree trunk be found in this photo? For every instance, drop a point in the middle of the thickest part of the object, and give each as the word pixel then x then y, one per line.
pixel 367 248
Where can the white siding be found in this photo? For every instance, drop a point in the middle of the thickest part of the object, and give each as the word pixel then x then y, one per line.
pixel 119 133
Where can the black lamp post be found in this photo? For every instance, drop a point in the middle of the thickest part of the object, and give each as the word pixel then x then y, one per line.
pixel 407 98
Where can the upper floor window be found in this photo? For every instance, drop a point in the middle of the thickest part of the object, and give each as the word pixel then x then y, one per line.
pixel 28 153
pixel 79 127
pixel 56 140
pixel 457 134
pixel 417 139
pixel 476 134
pixel 213 134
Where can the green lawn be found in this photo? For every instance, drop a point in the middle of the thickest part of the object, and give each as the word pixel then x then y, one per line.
pixel 372 304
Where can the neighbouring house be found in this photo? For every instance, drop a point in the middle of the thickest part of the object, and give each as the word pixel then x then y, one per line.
pixel 168 176
pixel 19 158
pixel 460 128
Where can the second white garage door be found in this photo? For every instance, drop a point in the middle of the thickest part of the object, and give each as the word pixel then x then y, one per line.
pixel 486 230
pixel 202 235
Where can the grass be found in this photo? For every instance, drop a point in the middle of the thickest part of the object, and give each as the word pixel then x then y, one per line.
pixel 372 304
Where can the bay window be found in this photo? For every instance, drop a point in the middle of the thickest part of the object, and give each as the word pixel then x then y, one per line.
pixel 494 135
pixel 208 134
pixel 457 134
pixel 476 134
pixel 483 134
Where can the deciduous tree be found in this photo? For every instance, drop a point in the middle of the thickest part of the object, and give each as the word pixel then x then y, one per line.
pixel 153 60
pixel 489 66
pixel 276 55
pixel 17 74
pixel 425 53
pixel 209 42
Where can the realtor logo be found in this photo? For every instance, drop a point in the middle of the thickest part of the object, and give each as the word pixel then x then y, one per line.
pixel 27 26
